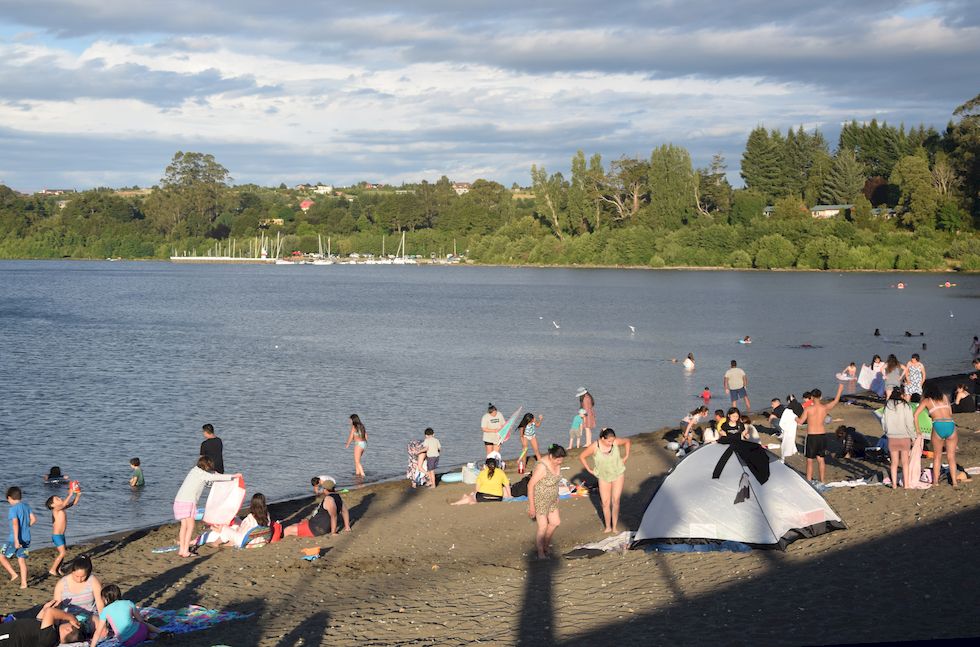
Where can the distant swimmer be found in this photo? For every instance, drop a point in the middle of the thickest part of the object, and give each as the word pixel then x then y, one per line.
pixel 900 286
pixel 689 362
pixel 745 340
pixel 908 334
pixel 877 333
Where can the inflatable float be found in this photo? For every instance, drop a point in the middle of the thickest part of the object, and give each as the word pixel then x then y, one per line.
pixel 452 477
pixel 844 377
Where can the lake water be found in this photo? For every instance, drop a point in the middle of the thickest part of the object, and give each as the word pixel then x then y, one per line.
pixel 103 361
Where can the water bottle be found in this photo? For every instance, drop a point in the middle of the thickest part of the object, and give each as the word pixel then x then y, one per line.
pixel 520 466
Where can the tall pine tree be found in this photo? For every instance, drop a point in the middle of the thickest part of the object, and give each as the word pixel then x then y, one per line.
pixel 845 180
pixel 762 165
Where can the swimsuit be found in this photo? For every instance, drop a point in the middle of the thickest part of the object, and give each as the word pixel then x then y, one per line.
pixel 915 379
pixel 546 494
pixel 944 428
pixel 530 430
pixel 609 465
pixel 58 540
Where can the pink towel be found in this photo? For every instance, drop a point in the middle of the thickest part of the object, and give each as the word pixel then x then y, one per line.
pixel 915 465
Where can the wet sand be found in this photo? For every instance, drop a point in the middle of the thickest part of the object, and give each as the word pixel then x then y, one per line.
pixel 416 570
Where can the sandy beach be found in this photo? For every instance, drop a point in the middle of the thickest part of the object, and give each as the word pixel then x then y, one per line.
pixel 416 570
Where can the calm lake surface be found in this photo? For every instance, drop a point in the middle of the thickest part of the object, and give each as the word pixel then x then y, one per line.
pixel 103 361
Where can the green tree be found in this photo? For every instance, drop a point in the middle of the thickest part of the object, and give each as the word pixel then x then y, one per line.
pixel 714 191
pixel 774 251
pixel 964 142
pixel 762 165
pixel 917 195
pixel 550 199
pixel 950 217
pixel 845 180
pixel 790 208
pixel 622 190
pixel 747 205
pixel 861 213
pixel 193 192
pixel 673 187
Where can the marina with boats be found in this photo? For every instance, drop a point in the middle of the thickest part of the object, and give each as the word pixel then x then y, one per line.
pixel 263 250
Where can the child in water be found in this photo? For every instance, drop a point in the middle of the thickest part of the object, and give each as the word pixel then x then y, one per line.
pixel 59 523
pixel 136 480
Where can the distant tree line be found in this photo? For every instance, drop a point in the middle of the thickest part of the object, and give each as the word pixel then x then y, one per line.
pixel 913 196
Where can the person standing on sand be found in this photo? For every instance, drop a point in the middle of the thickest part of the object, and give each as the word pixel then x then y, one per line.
pixel 185 503
pixel 542 497
pixel 943 429
pixel 893 372
pixel 610 469
pixel 815 445
pixel 900 429
pixel 358 436
pixel 491 423
pixel 213 448
pixel 913 376
pixel 736 382
pixel 587 402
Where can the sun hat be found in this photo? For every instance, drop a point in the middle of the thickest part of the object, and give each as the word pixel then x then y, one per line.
pixel 581 391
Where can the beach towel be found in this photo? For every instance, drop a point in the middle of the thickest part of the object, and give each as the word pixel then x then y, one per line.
pixel 871 480
pixel 915 464
pixel 787 423
pixel 865 377
pixel 224 502
pixel 181 621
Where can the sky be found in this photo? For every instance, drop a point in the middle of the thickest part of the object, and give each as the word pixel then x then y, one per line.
pixel 104 92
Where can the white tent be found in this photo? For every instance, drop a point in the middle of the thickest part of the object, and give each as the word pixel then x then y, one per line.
pixel 691 507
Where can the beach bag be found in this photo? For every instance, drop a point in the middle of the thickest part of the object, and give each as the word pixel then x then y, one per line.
pixel 520 487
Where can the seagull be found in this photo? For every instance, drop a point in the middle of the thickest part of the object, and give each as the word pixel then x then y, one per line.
pixel 951 313
pixel 541 318
pixel 555 324
pixel 632 329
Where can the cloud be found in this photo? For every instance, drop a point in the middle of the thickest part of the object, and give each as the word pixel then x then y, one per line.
pixel 385 91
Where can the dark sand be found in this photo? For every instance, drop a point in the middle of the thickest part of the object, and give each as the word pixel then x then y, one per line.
pixel 418 571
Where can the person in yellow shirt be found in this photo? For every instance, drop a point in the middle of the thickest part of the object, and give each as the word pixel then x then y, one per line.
pixel 491 485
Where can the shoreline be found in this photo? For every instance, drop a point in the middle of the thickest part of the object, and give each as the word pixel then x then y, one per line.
pixel 566 266
pixel 947 382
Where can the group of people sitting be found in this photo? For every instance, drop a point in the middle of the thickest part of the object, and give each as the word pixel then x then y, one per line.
pixel 81 609
pixel 732 422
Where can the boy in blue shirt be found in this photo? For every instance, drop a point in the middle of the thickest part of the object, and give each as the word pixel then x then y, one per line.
pixel 21 519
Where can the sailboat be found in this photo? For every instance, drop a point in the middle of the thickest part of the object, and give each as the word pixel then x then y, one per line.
pixel 400 257
pixel 320 258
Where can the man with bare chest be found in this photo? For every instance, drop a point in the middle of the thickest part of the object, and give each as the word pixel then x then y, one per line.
pixel 816 435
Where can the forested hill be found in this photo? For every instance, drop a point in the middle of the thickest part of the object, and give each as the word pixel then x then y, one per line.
pixel 884 197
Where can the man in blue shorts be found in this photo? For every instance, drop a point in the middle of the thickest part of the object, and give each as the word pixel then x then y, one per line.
pixel 735 382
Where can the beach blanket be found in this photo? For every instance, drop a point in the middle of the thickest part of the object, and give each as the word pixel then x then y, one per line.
pixel 616 544
pixel 181 621
pixel 787 423
pixel 871 480
pixel 711 547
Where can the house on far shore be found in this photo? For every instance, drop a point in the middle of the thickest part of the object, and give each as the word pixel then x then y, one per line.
pixel 462 187
pixel 303 187
pixel 305 205
pixel 265 223
pixel 55 191
pixel 823 211
pixel 322 189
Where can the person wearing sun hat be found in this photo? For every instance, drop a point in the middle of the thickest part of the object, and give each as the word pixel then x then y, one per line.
pixel 587 402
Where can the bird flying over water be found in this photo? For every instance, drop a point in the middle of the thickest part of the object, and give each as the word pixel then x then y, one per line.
pixel 632 329
pixel 555 324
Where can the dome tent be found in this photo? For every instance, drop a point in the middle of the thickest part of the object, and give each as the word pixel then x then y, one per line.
pixel 734 491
